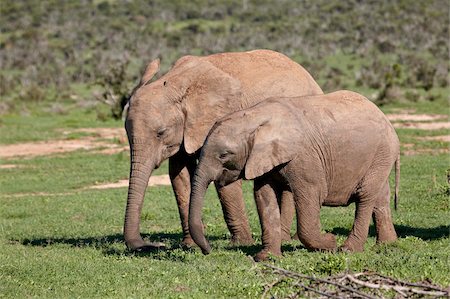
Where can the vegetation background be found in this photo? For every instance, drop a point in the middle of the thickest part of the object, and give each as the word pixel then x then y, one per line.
pixel 67 65
pixel 50 50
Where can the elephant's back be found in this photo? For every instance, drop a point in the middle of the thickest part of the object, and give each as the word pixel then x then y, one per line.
pixel 346 117
pixel 342 107
pixel 266 73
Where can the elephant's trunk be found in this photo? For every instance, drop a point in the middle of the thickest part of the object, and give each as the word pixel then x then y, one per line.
pixel 199 186
pixel 140 171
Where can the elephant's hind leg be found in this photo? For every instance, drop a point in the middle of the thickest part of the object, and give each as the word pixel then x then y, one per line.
pixel 382 217
pixel 358 235
pixel 232 201
pixel 366 197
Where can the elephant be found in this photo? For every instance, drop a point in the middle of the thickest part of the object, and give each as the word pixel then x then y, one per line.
pixel 169 118
pixel 328 150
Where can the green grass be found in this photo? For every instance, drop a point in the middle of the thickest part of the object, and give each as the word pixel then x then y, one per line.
pixel 59 239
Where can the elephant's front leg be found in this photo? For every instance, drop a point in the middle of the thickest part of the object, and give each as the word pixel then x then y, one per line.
pixel 269 217
pixel 232 201
pixel 307 205
pixel 181 168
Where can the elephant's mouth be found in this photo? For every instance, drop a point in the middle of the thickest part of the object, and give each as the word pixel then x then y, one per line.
pixel 227 177
pixel 172 149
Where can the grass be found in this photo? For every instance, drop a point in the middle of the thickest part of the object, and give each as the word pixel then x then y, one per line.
pixel 67 241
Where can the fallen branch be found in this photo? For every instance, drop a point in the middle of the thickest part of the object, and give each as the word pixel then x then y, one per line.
pixel 358 285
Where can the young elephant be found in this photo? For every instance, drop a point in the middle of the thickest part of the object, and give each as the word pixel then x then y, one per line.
pixel 330 150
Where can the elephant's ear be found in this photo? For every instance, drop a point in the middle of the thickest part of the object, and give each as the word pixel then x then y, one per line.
pixel 212 95
pixel 151 69
pixel 274 142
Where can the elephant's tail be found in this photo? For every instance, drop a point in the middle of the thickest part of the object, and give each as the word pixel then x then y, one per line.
pixel 397 181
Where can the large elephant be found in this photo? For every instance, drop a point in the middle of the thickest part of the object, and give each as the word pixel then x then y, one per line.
pixel 170 118
pixel 330 150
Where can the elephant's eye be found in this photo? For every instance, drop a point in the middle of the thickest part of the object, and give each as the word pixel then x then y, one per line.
pixel 225 154
pixel 161 132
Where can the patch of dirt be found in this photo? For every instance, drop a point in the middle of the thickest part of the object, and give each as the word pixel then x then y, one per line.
pixel 107 133
pixel 32 149
pixel 423 126
pixel 428 151
pixel 445 138
pixel 415 117
pixel 404 111
pixel 8 166
pixel 403 119
pixel 16 195
pixel 181 288
pixel 157 180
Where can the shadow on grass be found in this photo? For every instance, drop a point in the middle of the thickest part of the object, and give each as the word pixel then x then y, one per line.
pixel 424 233
pixel 109 243
pixel 74 242
pixel 255 248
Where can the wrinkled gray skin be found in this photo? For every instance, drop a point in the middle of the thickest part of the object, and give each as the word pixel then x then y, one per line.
pixel 329 150
pixel 170 118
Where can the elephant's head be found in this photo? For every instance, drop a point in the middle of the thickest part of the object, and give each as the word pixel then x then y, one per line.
pixel 245 144
pixel 172 113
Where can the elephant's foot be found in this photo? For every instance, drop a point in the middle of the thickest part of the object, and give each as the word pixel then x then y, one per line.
pixel 242 239
pixel 285 237
pixel 325 242
pixel 386 234
pixel 384 226
pixel 352 246
pixel 145 246
pixel 187 242
pixel 264 254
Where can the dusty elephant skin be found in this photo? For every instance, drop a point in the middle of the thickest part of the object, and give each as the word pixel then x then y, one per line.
pixel 171 117
pixel 330 150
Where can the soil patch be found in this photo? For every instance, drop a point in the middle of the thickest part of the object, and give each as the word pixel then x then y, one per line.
pixel 445 138
pixel 415 117
pixel 107 133
pixel 157 180
pixel 102 139
pixel 8 166
pixel 423 126
pixel 426 151
pixel 419 121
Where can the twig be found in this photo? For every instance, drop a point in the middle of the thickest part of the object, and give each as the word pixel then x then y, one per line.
pixel 289 273
pixel 315 291
pixel 412 284
pixel 269 286
pixel 352 285
pixel 399 289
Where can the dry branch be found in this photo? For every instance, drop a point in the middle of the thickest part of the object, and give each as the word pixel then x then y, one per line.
pixel 358 285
